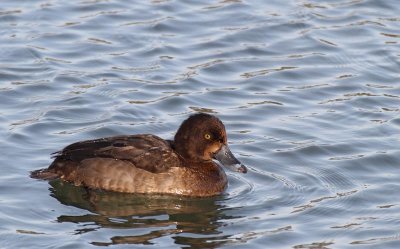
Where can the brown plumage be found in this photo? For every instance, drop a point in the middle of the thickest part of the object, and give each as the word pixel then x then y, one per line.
pixel 148 164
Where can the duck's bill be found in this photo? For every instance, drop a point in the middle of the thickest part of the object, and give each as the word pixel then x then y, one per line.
pixel 227 159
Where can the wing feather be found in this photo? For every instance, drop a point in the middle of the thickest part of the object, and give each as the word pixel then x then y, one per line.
pixel 147 152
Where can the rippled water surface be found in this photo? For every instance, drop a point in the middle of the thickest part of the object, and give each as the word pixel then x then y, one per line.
pixel 309 92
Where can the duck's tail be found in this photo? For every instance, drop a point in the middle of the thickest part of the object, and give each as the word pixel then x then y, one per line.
pixel 44 174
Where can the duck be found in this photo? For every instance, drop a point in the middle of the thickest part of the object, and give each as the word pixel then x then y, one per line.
pixel 189 165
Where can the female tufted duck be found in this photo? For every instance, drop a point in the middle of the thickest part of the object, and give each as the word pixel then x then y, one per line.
pixel 148 164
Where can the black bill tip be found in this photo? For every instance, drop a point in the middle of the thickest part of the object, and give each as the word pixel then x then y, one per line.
pixel 242 169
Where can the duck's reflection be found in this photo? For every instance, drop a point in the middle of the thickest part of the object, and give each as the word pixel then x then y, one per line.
pixel 188 221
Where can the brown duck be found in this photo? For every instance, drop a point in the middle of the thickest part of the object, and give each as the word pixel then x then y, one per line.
pixel 148 164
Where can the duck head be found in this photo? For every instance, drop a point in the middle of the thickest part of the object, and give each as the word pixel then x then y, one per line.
pixel 202 137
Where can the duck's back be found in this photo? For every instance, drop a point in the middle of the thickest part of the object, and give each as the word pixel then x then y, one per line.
pixel 148 152
pixel 103 161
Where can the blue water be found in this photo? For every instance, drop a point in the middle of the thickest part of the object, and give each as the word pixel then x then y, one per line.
pixel 309 92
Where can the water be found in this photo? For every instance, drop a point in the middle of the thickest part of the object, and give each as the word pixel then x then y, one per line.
pixel 309 92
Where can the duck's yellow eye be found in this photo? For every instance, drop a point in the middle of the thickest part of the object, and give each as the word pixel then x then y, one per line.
pixel 207 136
